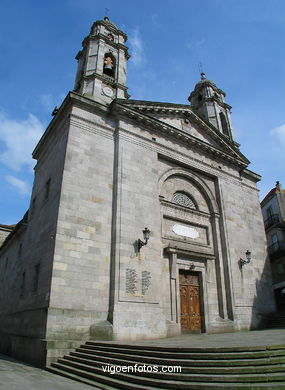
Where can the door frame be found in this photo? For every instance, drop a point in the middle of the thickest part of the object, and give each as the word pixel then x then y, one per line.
pixel 201 297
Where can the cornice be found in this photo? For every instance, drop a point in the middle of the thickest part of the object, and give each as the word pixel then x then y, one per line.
pixel 241 161
pixel 108 80
pixel 187 111
pixel 92 37
pixel 72 97
pixel 174 206
pixel 110 26
pixel 205 83
pixel 214 98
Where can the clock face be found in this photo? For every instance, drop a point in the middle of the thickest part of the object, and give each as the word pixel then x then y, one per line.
pixel 108 91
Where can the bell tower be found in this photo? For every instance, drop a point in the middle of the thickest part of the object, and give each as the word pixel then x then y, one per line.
pixel 209 101
pixel 101 71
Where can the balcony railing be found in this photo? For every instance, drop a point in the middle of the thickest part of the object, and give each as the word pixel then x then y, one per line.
pixel 277 249
pixel 274 218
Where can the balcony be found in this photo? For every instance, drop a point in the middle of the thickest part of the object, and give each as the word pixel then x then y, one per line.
pixel 274 218
pixel 276 250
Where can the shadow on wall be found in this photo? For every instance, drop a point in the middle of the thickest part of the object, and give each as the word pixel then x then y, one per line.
pixel 263 303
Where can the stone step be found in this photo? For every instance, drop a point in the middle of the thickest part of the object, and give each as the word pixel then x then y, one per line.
pixel 184 349
pixel 110 383
pixel 85 354
pixel 121 352
pixel 262 369
pixel 177 377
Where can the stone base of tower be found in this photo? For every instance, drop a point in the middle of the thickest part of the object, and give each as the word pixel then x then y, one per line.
pixel 27 349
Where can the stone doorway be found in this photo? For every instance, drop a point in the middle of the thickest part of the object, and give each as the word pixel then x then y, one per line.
pixel 190 301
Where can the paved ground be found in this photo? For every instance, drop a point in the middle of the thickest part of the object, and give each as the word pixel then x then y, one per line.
pixel 15 375
pixel 237 339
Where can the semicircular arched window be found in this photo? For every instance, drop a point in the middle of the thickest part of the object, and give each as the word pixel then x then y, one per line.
pixel 184 200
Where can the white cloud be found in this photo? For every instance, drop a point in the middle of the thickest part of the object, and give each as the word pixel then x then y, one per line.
pixel 21 186
pixel 137 49
pixel 279 133
pixel 19 138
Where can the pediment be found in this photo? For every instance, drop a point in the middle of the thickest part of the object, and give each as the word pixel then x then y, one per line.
pixel 184 123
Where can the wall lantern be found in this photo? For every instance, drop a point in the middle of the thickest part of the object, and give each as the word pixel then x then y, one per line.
pixel 146 233
pixel 242 262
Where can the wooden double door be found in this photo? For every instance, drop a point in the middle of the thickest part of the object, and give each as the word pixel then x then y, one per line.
pixel 190 301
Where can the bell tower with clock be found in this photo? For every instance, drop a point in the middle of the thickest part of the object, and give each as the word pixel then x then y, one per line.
pixel 101 71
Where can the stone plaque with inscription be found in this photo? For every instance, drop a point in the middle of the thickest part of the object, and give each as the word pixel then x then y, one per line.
pixel 131 281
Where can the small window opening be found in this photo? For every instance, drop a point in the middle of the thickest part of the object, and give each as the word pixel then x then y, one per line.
pixel 23 284
pixel 184 200
pixel 47 189
pixel 20 250
pixel 269 212
pixel 33 205
pixel 200 98
pixel 224 124
pixel 109 65
pixel 36 278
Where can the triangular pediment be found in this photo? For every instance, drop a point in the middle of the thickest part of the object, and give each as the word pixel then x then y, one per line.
pixel 183 122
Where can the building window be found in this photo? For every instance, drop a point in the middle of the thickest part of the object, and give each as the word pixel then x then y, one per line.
pixel 36 278
pixel 269 212
pixel 33 206
pixel 274 238
pixel 184 200
pixel 280 268
pixel 20 250
pixel 23 284
pixel 109 65
pixel 225 127
pixel 47 189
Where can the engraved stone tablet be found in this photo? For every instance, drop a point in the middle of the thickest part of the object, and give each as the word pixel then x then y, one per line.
pixel 185 231
pixel 131 281
pixel 146 277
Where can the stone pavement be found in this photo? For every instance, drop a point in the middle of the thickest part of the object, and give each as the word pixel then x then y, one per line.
pixel 237 339
pixel 15 375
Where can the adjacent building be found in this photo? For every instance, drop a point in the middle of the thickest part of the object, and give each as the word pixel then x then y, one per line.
pixel 273 211
pixel 5 230
pixel 144 219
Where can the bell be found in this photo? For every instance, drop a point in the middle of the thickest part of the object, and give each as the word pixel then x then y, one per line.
pixel 108 66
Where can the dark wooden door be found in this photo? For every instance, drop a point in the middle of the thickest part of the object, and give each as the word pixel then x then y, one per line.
pixel 190 307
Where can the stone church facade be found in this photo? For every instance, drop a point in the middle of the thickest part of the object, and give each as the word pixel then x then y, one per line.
pixel 107 168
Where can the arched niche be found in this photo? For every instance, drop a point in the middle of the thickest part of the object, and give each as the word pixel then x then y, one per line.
pixel 109 66
pixel 178 179
pixel 224 124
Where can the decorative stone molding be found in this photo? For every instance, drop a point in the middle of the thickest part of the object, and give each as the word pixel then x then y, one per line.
pixel 229 155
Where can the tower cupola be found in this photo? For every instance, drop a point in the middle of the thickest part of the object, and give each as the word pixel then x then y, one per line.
pixel 209 101
pixel 101 71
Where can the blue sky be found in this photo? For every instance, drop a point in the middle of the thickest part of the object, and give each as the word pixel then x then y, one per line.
pixel 239 43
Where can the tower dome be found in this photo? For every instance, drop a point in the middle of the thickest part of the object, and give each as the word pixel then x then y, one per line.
pixel 209 101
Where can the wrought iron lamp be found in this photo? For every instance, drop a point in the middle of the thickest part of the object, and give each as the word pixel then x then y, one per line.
pixel 242 262
pixel 146 233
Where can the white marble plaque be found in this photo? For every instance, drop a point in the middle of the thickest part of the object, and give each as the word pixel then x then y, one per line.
pixel 185 231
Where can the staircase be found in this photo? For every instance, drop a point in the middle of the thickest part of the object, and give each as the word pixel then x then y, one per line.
pixel 202 368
